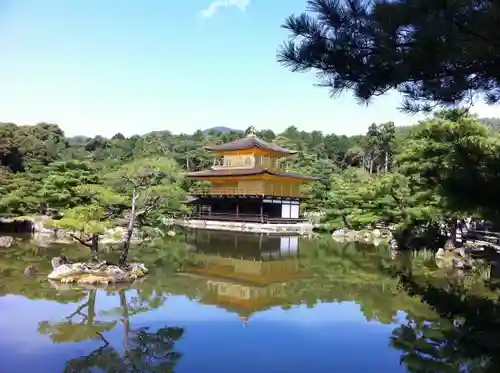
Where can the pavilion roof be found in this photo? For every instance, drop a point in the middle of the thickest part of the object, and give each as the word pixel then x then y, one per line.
pixel 246 172
pixel 242 307
pixel 249 142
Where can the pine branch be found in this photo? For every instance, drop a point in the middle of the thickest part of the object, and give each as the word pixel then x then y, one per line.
pixel 83 242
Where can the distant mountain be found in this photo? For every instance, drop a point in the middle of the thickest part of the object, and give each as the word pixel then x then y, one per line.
pixel 78 139
pixel 220 129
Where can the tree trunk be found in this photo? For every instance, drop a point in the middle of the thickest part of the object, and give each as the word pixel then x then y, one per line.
pixel 94 248
pixel 93 245
pixel 126 330
pixel 130 231
pixel 386 162
pixel 91 307
pixel 346 222
pixel 126 321
pixel 452 228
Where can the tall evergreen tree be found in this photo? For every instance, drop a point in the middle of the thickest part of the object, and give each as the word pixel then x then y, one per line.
pixel 436 52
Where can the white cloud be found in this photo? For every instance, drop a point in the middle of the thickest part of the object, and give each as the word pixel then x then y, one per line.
pixel 217 4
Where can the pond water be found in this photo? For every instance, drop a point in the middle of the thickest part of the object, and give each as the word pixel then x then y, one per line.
pixel 235 303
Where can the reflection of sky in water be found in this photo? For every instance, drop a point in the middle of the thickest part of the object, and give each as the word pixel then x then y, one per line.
pixel 329 337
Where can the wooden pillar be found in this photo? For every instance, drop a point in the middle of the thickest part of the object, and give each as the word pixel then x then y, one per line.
pixel 261 211
pixel 237 208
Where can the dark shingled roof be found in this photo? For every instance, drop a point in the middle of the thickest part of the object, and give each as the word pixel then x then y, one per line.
pixel 246 172
pixel 248 143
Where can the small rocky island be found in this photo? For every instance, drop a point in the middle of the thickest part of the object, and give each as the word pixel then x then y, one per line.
pixel 99 273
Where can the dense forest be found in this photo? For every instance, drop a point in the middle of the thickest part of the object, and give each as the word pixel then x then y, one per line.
pixel 437 170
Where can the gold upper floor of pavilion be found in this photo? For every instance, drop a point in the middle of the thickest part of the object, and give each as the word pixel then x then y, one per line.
pixel 247 153
pixel 249 166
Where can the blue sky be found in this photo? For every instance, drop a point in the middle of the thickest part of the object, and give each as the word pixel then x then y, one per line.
pixel 133 66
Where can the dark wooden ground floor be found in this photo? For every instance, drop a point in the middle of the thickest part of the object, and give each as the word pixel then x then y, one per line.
pixel 243 245
pixel 250 209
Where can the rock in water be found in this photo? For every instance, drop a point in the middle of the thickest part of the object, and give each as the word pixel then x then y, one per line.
pixel 452 259
pixel 68 270
pixel 58 261
pixel 461 252
pixel 6 242
pixel 367 237
pixel 386 234
pixel 351 236
pixel 460 263
pixel 339 233
pixel 30 270
pixel 393 244
pixel 97 273
pixel 449 245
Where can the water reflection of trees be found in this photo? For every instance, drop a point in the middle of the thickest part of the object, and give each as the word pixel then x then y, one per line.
pixel 452 321
pixel 80 325
pixel 24 253
pixel 15 259
pixel 448 328
pixel 462 337
pixel 350 273
pixel 143 350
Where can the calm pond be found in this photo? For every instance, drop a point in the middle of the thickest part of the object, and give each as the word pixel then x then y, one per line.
pixel 234 303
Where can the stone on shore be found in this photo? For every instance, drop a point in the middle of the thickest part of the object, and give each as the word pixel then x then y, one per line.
pixel 456 258
pixel 6 242
pixel 365 235
pixel 97 273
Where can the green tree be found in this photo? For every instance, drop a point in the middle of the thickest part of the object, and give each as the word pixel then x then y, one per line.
pixel 387 137
pixel 428 50
pixel 458 158
pixel 92 219
pixel 371 148
pixel 58 187
pixel 154 187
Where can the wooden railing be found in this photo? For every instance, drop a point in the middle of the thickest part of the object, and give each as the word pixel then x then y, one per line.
pixel 228 191
pixel 255 218
pixel 244 192
pixel 255 162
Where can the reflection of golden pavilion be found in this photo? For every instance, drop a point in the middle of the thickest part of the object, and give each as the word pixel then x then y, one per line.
pixel 245 273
